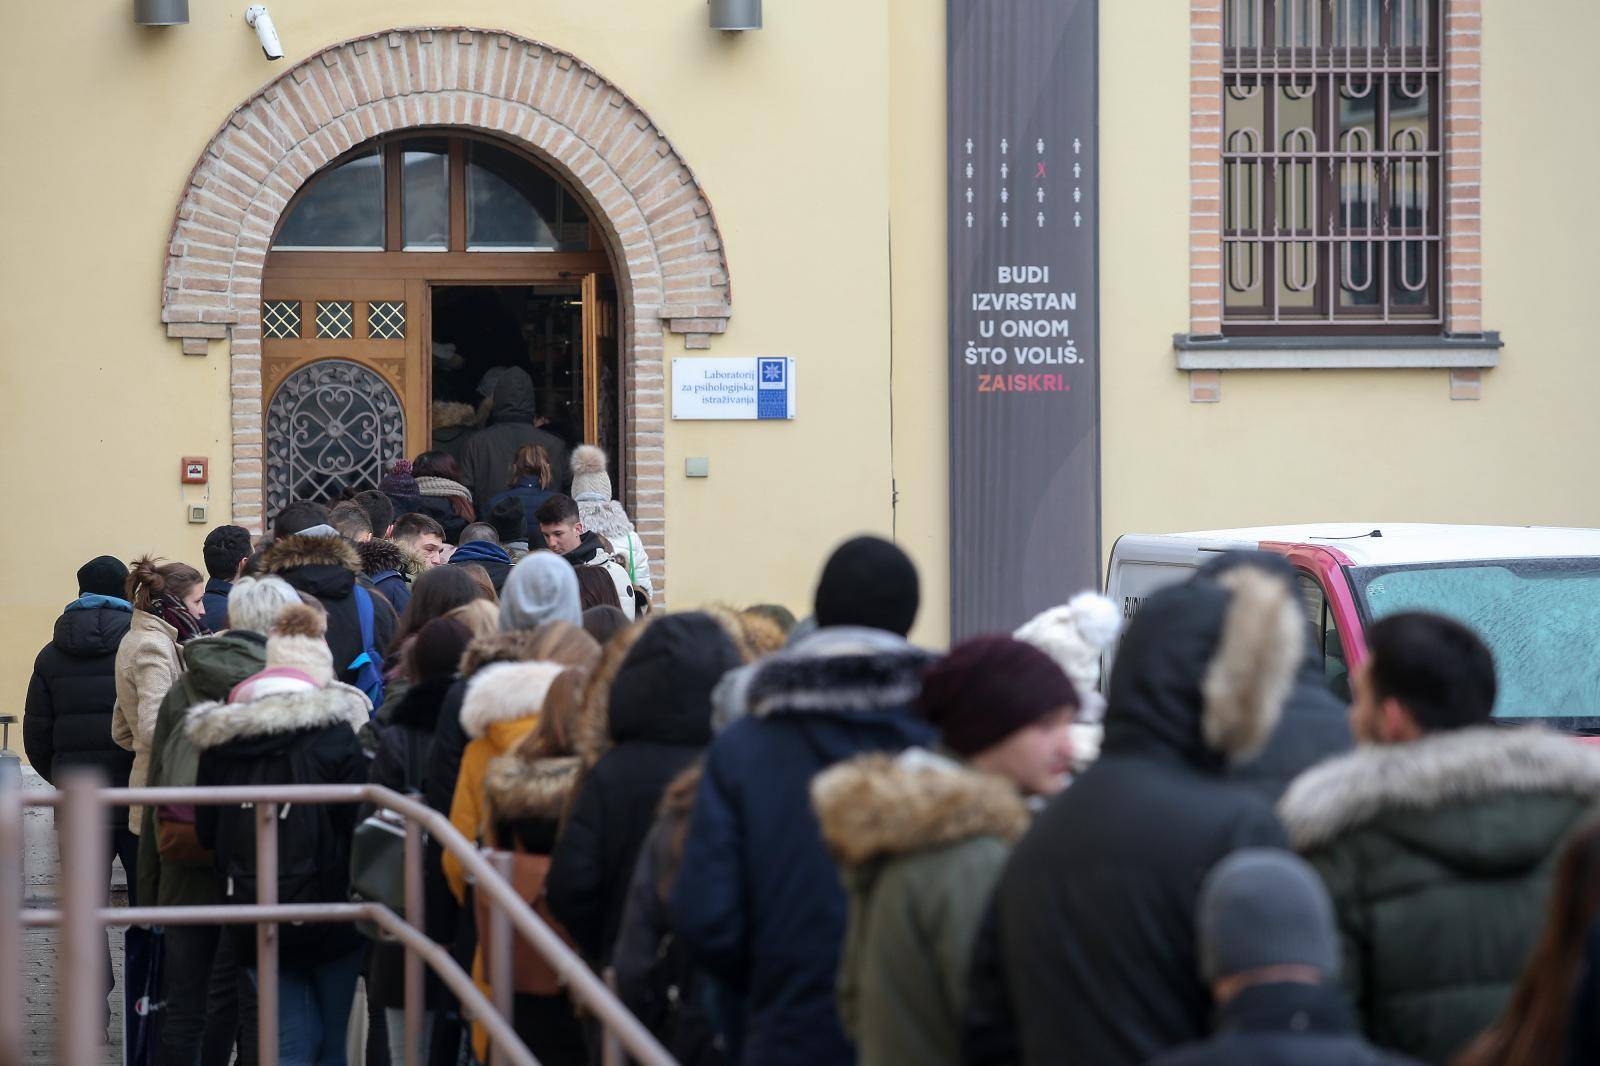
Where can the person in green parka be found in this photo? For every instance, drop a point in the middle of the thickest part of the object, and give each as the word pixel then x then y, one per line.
pixel 920 839
pixel 174 871
pixel 1437 837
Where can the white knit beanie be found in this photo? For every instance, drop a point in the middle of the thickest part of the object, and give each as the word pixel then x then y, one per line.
pixel 298 639
pixel 589 472
pixel 1074 635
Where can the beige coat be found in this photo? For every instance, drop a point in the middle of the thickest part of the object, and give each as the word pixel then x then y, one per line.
pixel 148 662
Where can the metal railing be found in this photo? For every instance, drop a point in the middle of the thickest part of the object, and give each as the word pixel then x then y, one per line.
pixel 80 824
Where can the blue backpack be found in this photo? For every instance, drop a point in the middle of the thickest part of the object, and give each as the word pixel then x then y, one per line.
pixel 369 674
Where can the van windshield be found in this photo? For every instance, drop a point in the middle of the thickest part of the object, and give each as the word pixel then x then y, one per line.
pixel 1540 617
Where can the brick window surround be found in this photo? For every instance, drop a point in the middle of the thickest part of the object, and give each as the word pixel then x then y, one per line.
pixel 1465 349
pixel 672 270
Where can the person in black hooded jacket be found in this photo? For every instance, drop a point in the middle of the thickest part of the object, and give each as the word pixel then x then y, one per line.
pixel 290 724
pixel 1091 938
pixel 66 720
pixel 660 722
pixel 315 560
pixel 487 457
pixel 1315 724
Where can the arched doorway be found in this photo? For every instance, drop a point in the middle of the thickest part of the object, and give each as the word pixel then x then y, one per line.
pixel 639 191
pixel 403 276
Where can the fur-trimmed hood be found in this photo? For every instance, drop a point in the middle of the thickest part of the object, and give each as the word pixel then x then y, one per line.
pixel 1439 770
pixel 298 550
pixel 276 716
pixel 877 806
pixel 516 789
pixel 450 415
pixel 1205 668
pixel 835 671
pixel 378 555
pixel 505 692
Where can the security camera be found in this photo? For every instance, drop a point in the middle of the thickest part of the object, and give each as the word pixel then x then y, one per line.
pixel 256 15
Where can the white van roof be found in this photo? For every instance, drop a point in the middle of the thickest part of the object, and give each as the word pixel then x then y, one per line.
pixel 1402 542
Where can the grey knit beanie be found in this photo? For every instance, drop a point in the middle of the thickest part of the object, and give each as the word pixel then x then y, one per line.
pixel 541 588
pixel 1264 907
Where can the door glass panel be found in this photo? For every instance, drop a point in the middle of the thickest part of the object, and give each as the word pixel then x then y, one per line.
pixel 280 320
pixel 331 426
pixel 335 319
pixel 425 195
pixel 512 205
pixel 342 210
pixel 386 320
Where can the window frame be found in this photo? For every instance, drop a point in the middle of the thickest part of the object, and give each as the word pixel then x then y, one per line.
pixel 391 149
pixel 1275 67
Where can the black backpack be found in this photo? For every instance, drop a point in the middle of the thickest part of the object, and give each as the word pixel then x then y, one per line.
pixel 310 867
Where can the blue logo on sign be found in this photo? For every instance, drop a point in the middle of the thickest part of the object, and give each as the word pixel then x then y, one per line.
pixel 772 388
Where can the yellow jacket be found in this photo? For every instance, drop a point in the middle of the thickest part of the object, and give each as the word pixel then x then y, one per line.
pixel 501 707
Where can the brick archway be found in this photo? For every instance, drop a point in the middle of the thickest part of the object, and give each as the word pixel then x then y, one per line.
pixel 672 270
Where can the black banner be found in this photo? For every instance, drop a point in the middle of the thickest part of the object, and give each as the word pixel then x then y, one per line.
pixel 1024 308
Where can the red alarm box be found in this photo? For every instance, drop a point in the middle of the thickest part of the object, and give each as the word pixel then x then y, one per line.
pixel 194 470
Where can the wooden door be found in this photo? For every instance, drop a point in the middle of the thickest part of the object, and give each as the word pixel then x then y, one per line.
pixel 344 381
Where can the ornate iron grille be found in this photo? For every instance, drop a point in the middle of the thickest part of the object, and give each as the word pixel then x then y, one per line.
pixel 1332 165
pixel 331 425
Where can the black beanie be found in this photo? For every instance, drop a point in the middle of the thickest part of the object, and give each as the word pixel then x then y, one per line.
pixel 438 648
pixel 868 582
pixel 989 687
pixel 104 576
pixel 509 520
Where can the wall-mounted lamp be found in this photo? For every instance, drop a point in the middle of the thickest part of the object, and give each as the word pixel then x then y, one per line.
pixel 161 12
pixel 735 14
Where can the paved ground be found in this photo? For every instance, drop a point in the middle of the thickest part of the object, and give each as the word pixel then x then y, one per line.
pixel 41 872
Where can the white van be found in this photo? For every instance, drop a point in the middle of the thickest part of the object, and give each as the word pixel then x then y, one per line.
pixel 1532 593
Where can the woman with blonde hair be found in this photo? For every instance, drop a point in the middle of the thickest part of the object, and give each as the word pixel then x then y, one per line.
pixel 168 604
pixel 532 482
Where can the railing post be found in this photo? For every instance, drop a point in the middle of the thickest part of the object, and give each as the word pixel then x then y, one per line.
pixel 610 1046
pixel 416 918
pixel 12 860
pixel 267 934
pixel 500 946
pixel 78 976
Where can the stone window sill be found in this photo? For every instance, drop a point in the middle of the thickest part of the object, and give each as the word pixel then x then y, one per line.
pixel 1478 351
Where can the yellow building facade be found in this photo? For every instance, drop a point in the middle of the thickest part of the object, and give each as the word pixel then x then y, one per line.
pixel 805 163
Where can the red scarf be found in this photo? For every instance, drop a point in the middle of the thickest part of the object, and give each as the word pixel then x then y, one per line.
pixel 171 610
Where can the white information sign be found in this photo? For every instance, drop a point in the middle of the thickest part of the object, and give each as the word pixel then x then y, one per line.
pixel 757 387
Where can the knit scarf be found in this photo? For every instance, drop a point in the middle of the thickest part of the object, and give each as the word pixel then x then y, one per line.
pixel 171 610
pixel 454 491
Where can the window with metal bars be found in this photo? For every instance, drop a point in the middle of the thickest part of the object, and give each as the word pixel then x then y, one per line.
pixel 1333 166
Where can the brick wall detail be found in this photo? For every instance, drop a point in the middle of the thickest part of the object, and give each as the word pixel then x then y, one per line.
pixel 1463 160
pixel 673 272
pixel 1205 167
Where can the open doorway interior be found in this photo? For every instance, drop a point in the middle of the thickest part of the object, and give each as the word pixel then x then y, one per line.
pixel 561 334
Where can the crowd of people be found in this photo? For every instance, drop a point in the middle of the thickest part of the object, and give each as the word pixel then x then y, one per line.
pixel 815 842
